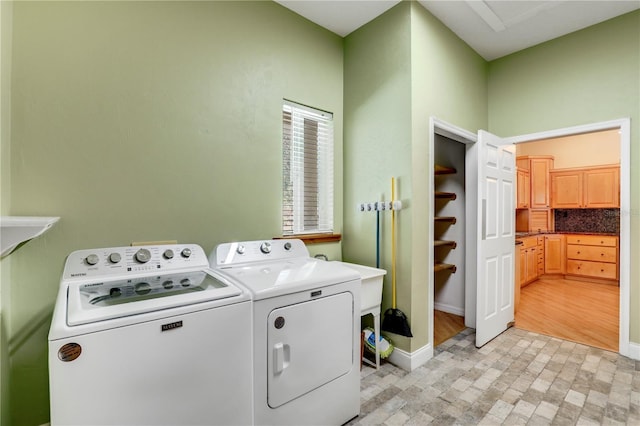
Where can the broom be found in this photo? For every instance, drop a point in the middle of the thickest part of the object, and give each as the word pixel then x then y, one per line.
pixel 395 321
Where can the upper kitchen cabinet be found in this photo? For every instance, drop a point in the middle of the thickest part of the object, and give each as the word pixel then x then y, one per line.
pixel 539 167
pixel 536 215
pixel 587 187
pixel 602 187
pixel 524 187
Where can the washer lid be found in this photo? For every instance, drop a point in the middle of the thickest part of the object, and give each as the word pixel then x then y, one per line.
pixel 102 300
pixel 271 279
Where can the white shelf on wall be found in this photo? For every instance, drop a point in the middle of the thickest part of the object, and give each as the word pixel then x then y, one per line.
pixel 15 230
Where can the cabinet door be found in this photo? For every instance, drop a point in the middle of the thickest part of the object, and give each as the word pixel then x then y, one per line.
pixel 566 190
pixel 554 254
pixel 523 189
pixel 522 279
pixel 539 175
pixel 532 264
pixel 602 188
pixel 539 220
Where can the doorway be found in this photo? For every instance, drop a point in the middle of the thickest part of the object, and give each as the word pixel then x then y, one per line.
pixel 449 238
pixel 456 305
pixel 438 127
pixel 622 128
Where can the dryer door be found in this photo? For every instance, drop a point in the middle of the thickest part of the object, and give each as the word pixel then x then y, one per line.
pixel 310 344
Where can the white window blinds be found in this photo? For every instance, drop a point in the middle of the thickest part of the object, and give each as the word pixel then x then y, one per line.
pixel 307 170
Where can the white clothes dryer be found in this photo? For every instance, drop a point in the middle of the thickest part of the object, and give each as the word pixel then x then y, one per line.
pixel 149 336
pixel 306 331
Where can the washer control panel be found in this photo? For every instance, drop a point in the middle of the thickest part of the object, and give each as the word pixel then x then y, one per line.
pixel 230 254
pixel 123 260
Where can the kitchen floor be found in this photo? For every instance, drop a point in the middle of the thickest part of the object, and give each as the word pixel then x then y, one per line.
pixel 518 378
pixel 578 311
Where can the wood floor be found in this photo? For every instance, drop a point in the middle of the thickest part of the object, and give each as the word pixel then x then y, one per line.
pixel 578 311
pixel 445 326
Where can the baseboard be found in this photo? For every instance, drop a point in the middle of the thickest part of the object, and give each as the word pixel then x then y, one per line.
pixel 634 351
pixel 410 361
pixel 450 309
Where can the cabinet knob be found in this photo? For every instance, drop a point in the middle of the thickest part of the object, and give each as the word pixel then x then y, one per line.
pixel 601 270
pixel 578 252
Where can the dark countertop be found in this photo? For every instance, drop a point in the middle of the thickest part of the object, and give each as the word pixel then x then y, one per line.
pixel 534 234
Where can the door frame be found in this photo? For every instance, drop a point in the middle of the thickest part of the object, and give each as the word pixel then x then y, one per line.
pixel 440 127
pixel 624 127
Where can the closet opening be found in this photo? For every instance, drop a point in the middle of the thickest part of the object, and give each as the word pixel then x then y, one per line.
pixel 449 238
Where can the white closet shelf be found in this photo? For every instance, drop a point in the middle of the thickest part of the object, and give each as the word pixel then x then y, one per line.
pixel 15 230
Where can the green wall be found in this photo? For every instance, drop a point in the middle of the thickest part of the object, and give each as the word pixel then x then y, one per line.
pixel 142 121
pixel 6 13
pixel 588 76
pixel 147 121
pixel 377 95
pixel 400 69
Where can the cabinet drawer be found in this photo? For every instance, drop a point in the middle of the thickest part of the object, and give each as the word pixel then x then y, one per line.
pixel 592 240
pixel 593 253
pixel 593 269
pixel 528 242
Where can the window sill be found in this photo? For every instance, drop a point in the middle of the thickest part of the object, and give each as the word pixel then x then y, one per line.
pixel 313 238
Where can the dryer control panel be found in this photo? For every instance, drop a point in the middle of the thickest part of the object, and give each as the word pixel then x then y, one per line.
pixel 233 254
pixel 105 262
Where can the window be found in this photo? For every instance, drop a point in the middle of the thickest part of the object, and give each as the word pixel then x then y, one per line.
pixel 307 170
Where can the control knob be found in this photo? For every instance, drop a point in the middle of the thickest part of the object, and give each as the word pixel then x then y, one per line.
pixel 240 249
pixel 168 254
pixel 186 253
pixel 143 255
pixel 115 257
pixel 265 247
pixel 287 246
pixel 92 259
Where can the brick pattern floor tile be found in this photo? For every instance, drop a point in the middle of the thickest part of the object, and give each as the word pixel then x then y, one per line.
pixel 519 378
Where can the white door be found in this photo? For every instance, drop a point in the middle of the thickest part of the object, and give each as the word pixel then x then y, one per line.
pixel 496 237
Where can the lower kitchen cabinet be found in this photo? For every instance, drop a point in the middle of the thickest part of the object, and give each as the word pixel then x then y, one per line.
pixel 593 257
pixel 554 254
pixel 528 261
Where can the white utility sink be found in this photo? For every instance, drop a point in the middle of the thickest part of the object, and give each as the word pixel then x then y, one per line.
pixel 371 292
pixel 370 297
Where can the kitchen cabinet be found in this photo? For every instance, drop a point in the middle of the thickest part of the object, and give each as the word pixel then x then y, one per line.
pixel 602 187
pixel 566 189
pixel 523 189
pixel 586 187
pixel 554 254
pixel 540 255
pixel 528 220
pixel 593 257
pixel 539 173
pixel 536 216
pixel 528 264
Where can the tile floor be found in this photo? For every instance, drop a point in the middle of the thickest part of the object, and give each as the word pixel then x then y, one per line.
pixel 519 378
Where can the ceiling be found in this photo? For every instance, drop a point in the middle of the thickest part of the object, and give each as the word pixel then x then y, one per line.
pixel 492 28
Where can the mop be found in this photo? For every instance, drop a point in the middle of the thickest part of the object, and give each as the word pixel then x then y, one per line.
pixel 395 321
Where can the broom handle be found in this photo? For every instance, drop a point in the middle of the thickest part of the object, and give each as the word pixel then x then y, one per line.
pixel 393 244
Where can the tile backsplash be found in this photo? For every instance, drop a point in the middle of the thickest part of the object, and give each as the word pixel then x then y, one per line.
pixel 587 220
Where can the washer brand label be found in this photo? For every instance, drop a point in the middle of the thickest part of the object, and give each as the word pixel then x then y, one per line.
pixel 79 274
pixel 69 352
pixel 171 326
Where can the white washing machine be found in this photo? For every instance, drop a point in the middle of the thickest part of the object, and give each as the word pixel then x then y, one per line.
pixel 306 331
pixel 149 336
